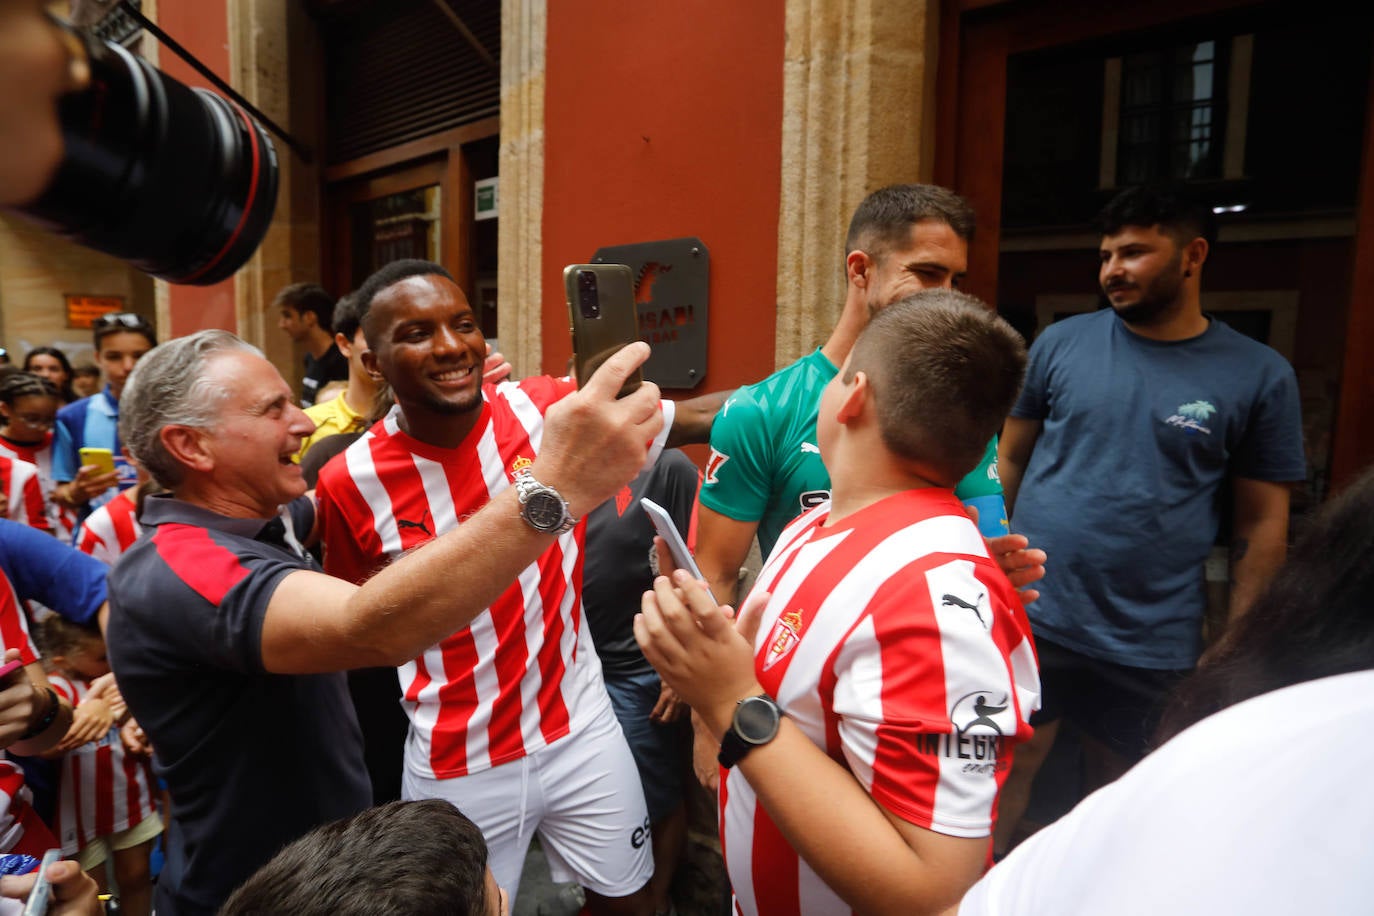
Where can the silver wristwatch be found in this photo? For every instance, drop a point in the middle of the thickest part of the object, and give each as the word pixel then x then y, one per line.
pixel 542 507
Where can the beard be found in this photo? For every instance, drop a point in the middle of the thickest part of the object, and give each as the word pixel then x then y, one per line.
pixel 1158 298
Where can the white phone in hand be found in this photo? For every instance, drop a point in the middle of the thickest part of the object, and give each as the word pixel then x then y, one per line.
pixel 663 524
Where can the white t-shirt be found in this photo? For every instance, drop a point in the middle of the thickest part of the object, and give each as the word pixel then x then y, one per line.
pixel 1262 808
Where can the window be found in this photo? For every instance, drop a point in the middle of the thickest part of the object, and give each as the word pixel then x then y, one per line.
pixel 1173 117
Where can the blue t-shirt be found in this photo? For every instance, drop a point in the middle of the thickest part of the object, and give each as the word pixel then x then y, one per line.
pixel 91 422
pixel 45 570
pixel 1123 487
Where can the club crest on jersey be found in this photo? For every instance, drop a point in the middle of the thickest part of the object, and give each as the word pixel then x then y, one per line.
pixel 519 464
pixel 783 638
pixel 713 465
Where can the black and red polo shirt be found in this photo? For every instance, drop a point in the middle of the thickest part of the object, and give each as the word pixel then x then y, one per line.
pixel 253 760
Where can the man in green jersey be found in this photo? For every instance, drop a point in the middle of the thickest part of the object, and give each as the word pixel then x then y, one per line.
pixel 765 468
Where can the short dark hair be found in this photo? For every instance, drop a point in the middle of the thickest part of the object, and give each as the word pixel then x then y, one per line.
pixel 308 297
pixel 121 323
pixel 1169 205
pixel 26 384
pixel 411 857
pixel 389 275
pixel 944 370
pixel 885 217
pixel 346 316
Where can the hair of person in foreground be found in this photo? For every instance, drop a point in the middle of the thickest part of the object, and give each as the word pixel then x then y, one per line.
pixel 1315 619
pixel 410 857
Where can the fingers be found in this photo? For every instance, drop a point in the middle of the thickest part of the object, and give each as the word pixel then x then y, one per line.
pixel 666 563
pixel 750 615
pixel 610 376
pixel 495 368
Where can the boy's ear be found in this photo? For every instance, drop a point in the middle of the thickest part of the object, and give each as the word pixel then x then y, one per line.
pixel 856 395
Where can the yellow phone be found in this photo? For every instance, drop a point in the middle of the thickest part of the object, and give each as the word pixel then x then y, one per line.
pixel 102 458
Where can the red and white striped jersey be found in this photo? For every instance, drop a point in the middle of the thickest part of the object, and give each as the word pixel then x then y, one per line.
pixel 14 625
pixel 26 505
pixel 896 644
pixel 111 529
pixel 524 673
pixel 103 789
pixel 21 830
pixel 61 521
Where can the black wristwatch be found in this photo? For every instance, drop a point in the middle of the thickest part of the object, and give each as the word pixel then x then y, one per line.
pixel 542 507
pixel 756 723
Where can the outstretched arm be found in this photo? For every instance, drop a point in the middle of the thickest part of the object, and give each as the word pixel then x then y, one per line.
pixel 693 418
pixel 593 444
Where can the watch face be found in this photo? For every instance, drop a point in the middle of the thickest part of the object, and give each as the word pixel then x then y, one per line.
pixel 756 720
pixel 544 511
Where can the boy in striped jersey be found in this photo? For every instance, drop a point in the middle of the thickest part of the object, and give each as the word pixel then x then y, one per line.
pixel 898 653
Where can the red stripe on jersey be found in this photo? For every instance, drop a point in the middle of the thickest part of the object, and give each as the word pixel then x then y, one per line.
pixel 900 768
pixel 104 791
pixel 35 507
pixel 457 700
pixel 14 630
pixel 505 736
pixel 122 517
pixel 207 568
pixel 553 712
pixel 36 838
pixel 776 887
pixel 351 546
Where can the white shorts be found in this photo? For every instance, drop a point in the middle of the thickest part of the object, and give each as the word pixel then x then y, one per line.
pixel 581 794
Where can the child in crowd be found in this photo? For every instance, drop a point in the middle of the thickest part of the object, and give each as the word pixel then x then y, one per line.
pixel 52 364
pixel 105 802
pixel 112 529
pixel 867 728
pixel 21 497
pixel 85 380
pixel 28 410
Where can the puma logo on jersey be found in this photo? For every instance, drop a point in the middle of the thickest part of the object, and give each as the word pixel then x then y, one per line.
pixel 810 447
pixel 956 601
pixel 713 465
pixel 407 523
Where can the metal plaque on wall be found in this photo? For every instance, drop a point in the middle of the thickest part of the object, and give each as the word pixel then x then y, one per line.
pixel 671 281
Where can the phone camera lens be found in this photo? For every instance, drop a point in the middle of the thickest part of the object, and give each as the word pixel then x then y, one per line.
pixel 588 297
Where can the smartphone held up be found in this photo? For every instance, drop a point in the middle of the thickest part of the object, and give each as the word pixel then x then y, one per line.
pixel 601 304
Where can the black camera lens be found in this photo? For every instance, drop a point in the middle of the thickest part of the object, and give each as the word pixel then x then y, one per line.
pixel 176 181
pixel 588 296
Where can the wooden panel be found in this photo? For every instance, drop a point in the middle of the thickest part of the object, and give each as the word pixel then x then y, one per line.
pixel 1352 444
pixel 982 115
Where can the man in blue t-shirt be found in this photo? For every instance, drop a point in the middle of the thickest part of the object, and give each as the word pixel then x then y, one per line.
pixel 121 339
pixel 1113 460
